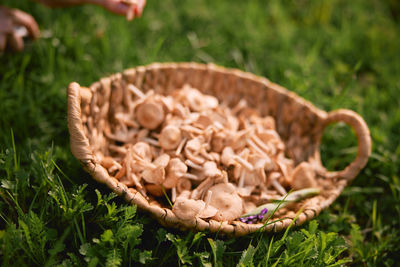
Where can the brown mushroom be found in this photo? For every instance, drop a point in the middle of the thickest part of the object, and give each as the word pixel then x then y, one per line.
pixel 192 149
pixel 175 170
pixel 211 169
pixel 303 177
pixel 143 151
pixel 227 156
pixel 208 210
pixel 156 175
pixel 196 100
pixel 170 137
pixel 182 185
pixel 150 114
pixel 186 209
pixel 226 201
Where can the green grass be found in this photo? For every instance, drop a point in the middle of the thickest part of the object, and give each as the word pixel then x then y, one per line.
pixel 336 54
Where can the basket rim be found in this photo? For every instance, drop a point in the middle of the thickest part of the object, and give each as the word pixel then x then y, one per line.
pixel 81 149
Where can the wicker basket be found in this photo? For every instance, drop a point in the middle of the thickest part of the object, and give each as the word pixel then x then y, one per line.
pixel 298 123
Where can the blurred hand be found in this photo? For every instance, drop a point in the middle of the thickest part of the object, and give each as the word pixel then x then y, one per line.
pixel 10 19
pixel 128 8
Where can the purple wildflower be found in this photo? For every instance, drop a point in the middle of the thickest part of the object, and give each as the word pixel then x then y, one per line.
pixel 264 211
pixel 243 219
pixel 254 218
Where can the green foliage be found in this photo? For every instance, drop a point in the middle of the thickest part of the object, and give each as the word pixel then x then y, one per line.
pixel 334 53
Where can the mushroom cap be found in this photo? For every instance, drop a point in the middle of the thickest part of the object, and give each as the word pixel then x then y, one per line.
pixel 195 99
pixel 175 170
pixel 154 176
pixel 187 209
pixel 303 176
pixel 142 150
pixel 203 121
pixel 170 137
pixel 193 145
pixel 207 212
pixel 183 184
pixel 211 169
pixel 191 150
pixel 245 191
pixel 162 160
pixel 227 156
pixel 150 114
pixel 227 201
pixel 107 162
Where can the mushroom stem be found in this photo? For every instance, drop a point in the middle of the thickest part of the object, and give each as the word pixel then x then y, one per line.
pixel 243 162
pixel 191 129
pixel 180 147
pixel 218 125
pixel 278 187
pixel 241 179
pixel 136 91
pixel 256 148
pixel 239 106
pixel 173 194
pixel 190 176
pixel 143 162
pixel 151 141
pixel 260 143
pixel 118 149
pixel 207 183
pixel 208 198
pixel 193 165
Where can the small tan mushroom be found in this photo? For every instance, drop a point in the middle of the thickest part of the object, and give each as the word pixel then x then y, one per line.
pixel 211 169
pixel 196 100
pixel 202 188
pixel 143 151
pixel 162 160
pixel 156 175
pixel 227 156
pixel 245 191
pixel 208 211
pixel 189 209
pixel 218 141
pixel 240 138
pixel 150 114
pixel 182 185
pixel 107 162
pixel 170 137
pixel 124 119
pixel 203 121
pixel 186 209
pixel 175 171
pixel 228 203
pixel 303 177
pixel 192 149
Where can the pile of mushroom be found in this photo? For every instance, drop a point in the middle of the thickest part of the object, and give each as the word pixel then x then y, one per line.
pixel 211 161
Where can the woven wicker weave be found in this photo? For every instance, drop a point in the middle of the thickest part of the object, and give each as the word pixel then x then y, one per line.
pixel 298 123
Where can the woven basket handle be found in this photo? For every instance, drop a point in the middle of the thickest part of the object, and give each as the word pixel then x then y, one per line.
pixel 78 141
pixel 364 141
